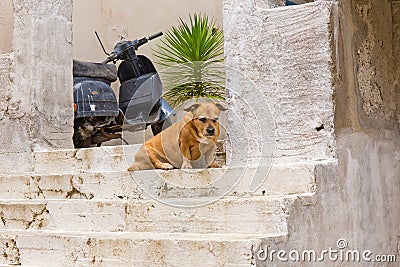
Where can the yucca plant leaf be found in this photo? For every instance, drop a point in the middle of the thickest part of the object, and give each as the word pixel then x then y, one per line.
pixel 192 53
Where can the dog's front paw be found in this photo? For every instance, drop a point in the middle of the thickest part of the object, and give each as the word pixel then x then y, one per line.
pixel 166 166
pixel 186 165
pixel 215 165
pixel 134 167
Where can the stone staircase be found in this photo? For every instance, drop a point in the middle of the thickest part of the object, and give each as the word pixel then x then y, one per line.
pixel 81 208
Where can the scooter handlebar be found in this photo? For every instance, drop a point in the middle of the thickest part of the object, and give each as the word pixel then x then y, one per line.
pixel 144 40
pixel 154 36
pixel 109 59
pixel 122 46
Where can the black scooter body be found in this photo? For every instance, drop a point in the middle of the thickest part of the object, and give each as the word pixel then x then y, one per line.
pixel 94 98
pixel 140 94
pixel 93 95
pixel 98 113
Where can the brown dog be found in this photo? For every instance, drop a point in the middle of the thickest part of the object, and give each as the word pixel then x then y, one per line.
pixel 189 143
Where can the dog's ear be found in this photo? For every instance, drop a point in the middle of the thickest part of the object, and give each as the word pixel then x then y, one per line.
pixel 192 108
pixel 220 106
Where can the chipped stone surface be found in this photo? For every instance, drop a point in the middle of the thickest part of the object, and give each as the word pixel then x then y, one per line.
pixel 15 150
pixel 367 69
pixel 10 253
pixel 281 180
pixel 33 216
pixel 36 83
pixel 259 215
pixel 43 69
pixel 266 4
pixel 287 53
pixel 396 56
pixel 230 215
pixel 373 73
pixel 139 249
pixel 103 159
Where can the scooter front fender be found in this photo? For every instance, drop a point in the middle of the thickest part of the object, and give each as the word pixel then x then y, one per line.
pixel 166 110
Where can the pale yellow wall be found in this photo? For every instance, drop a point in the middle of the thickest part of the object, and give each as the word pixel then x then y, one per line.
pixel 115 18
pixel 130 18
pixel 6 26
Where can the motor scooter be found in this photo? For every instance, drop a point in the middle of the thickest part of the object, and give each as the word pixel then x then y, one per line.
pixel 98 115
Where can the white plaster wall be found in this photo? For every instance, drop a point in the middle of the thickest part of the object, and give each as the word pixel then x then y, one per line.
pixel 6 26
pixel 115 18
pixel 130 19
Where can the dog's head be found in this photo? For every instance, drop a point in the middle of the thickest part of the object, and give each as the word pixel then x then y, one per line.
pixel 206 118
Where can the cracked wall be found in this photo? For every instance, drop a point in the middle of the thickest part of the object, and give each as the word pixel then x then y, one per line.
pixel 15 149
pixel 34 216
pixel 36 95
pixel 368 74
pixel 10 252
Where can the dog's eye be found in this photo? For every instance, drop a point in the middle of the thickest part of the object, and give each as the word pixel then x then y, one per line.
pixel 215 119
pixel 203 119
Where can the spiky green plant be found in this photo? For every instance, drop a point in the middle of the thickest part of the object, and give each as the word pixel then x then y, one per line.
pixel 192 54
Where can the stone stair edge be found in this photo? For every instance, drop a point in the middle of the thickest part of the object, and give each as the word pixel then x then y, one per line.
pixel 5 233
pixel 302 164
pixel 105 148
pixel 226 198
pixel 281 180
pixel 268 216
pixel 78 248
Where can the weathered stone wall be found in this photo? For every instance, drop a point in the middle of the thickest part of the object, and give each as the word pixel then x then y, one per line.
pixel 396 49
pixel 15 148
pixel 37 98
pixel 365 184
pixel 367 76
pixel 6 26
pixel 287 53
pixel 336 62
pixel 357 199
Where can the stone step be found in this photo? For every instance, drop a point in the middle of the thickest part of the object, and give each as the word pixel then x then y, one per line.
pixel 251 215
pixel 281 179
pixel 94 159
pixel 60 248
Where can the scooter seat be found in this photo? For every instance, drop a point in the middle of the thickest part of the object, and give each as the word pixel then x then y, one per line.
pixel 95 70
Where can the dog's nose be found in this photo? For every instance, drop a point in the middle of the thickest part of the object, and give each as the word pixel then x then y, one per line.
pixel 210 130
